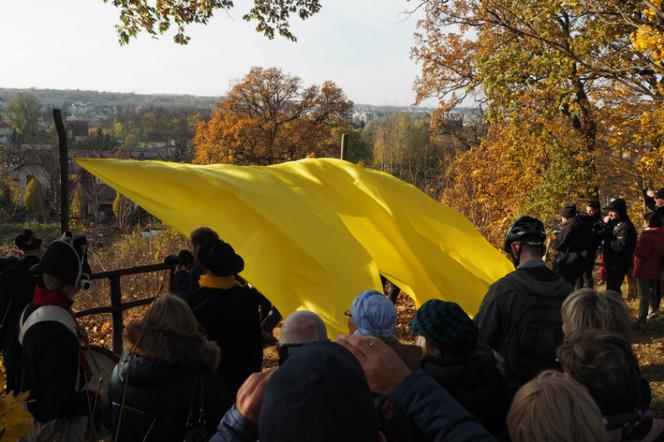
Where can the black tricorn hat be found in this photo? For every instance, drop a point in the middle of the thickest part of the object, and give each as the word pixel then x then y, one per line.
pixel 27 241
pixel 220 259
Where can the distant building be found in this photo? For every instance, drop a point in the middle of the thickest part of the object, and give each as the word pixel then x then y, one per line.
pixel 77 129
pixel 164 153
pixel 39 164
pixel 6 132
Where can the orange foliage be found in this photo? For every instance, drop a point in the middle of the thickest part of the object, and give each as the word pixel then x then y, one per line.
pixel 268 118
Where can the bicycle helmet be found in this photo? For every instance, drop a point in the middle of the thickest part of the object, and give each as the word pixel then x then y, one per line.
pixel 527 230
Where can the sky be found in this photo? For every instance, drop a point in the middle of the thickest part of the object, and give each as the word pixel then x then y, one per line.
pixel 362 45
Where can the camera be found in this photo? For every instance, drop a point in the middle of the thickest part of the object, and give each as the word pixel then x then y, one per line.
pixel 184 257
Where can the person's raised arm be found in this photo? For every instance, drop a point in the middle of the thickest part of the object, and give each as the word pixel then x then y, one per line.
pixel 437 413
pixel 240 423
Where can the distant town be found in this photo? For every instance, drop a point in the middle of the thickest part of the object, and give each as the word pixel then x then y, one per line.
pixel 164 127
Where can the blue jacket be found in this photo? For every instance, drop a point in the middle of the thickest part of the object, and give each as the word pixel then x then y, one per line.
pixel 437 414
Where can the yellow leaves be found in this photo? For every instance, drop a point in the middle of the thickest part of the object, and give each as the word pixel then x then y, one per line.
pixel 650 41
pixel 15 421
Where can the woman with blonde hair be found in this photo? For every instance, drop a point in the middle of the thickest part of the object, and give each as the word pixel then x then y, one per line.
pixel 587 309
pixel 166 382
pixel 554 408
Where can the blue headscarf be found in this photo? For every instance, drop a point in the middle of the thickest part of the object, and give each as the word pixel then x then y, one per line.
pixel 374 314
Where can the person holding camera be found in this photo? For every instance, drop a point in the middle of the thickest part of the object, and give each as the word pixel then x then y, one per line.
pixel 188 269
pixel 575 245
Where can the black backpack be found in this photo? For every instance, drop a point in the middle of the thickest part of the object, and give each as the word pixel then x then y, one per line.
pixel 535 334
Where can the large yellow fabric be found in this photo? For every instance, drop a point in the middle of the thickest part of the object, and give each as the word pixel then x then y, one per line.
pixel 315 233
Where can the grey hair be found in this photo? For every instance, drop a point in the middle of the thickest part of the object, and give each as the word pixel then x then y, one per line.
pixel 302 327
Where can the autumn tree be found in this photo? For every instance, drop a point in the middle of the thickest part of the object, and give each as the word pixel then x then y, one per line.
pixel 22 112
pixel 268 117
pixel 7 207
pixel 78 202
pixel 403 146
pixel 156 17
pixel 35 201
pixel 550 74
pixel 124 211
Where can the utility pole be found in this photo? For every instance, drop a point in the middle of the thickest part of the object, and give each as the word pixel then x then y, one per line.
pixel 344 146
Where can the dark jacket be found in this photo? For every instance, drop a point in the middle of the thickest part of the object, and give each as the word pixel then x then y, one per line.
pixel 634 427
pixel 230 318
pixel 520 319
pixel 437 414
pixel 50 369
pixel 186 281
pixel 475 383
pixel 158 394
pixel 650 203
pixel 649 254
pixel 393 423
pixel 411 355
pixel 597 226
pixel 619 245
pixel 7 262
pixel 17 285
pixel 575 244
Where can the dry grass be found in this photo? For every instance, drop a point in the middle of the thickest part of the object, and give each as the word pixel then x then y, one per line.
pixel 649 348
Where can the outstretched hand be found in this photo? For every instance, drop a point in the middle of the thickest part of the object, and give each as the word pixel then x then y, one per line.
pixel 250 395
pixel 383 367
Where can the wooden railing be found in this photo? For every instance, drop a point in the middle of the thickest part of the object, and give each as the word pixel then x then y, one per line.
pixel 117 307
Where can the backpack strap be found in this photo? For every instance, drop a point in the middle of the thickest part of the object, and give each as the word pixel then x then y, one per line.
pixel 51 313
pixel 46 313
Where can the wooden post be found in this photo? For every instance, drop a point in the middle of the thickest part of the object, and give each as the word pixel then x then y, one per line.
pixel 64 170
pixel 116 315
pixel 344 146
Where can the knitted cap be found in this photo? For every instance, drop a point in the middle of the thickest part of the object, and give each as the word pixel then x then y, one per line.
pixel 319 394
pixel 446 326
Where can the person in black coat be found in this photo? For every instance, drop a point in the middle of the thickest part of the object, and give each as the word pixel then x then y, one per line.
pixel 619 245
pixel 50 342
pixel 519 317
pixel 454 359
pixel 655 203
pixel 228 312
pixel 592 217
pixel 167 374
pixel 188 270
pixel 17 285
pixel 575 244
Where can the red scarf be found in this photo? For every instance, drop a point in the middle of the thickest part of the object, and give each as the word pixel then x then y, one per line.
pixel 44 296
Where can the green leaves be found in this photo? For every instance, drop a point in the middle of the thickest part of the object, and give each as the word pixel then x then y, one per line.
pixel 156 17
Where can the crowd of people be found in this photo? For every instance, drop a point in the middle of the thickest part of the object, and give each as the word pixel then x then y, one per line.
pixel 546 358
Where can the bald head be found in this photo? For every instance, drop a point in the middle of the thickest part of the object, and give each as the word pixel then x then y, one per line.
pixel 302 327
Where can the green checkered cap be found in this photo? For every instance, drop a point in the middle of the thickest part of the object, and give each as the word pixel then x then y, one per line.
pixel 445 326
